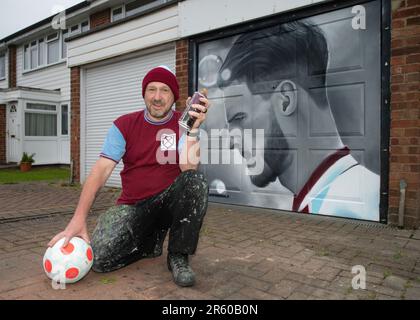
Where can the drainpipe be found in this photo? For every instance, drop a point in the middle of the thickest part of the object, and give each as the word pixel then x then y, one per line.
pixel 403 186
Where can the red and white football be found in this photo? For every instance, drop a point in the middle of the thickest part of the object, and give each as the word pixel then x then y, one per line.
pixel 68 264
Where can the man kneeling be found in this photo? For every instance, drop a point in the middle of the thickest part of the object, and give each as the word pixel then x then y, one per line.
pixel 156 196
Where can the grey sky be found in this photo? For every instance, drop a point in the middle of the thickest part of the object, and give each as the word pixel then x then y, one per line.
pixel 16 15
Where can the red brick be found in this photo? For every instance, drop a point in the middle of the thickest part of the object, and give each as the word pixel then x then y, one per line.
pixel 413 21
pixel 406 12
pixel 413 77
pixel 413 58
pixel 412 132
pixel 413 3
pixel 404 123
pixel 75 122
pixel 412 41
pixel 398 60
pixel 397 79
pixel 398 23
pixel 100 18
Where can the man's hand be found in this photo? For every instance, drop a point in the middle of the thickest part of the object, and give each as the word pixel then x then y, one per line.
pixel 75 228
pixel 200 116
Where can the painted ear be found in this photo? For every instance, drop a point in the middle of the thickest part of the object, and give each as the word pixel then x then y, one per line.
pixel 284 98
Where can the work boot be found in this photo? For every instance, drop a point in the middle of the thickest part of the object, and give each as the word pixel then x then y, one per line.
pixel 181 272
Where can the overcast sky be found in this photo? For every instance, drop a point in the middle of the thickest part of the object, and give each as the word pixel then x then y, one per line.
pixel 19 14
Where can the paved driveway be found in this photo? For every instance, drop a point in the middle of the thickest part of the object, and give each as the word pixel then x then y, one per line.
pixel 243 253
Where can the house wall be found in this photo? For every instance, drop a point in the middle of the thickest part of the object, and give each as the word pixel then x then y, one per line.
pixel 2 133
pixel 405 111
pixel 193 22
pixel 75 123
pixel 50 77
pixel 100 18
pixel 12 66
pixel 181 66
pixel 5 83
pixel 151 30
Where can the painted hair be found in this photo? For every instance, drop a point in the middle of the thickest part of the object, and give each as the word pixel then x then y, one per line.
pixel 274 54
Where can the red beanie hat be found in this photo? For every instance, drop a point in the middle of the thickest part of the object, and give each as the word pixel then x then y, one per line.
pixel 162 74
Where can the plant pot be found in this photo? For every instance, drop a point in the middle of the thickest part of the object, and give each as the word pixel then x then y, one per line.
pixel 25 166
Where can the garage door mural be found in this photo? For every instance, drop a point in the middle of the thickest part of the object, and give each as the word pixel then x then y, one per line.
pixel 314 87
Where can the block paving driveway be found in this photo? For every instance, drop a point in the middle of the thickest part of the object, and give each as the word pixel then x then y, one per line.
pixel 243 253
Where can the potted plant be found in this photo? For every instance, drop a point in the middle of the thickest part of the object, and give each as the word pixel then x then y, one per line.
pixel 26 162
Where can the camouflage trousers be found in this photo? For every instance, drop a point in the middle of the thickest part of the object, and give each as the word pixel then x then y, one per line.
pixel 127 233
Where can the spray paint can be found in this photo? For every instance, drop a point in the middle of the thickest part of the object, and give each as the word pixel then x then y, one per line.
pixel 186 121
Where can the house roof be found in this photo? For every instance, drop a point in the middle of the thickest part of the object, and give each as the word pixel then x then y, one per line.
pixel 45 21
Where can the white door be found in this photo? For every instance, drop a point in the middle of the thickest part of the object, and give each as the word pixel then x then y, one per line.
pixel 13 133
pixel 113 90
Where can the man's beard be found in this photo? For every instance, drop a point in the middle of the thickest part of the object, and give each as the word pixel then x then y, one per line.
pixel 266 177
pixel 159 114
pixel 275 163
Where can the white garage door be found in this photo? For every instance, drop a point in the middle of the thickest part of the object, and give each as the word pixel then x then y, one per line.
pixel 111 91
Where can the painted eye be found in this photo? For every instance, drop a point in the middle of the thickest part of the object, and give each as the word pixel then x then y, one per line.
pixel 238 117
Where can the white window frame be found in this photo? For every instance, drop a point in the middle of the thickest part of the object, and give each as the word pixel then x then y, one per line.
pixel 60 38
pixel 42 53
pixel 47 41
pixel 38 111
pixel 124 10
pixel 3 54
pixel 88 25
pixel 61 119
pixel 122 7
pixel 25 59
pixel 33 46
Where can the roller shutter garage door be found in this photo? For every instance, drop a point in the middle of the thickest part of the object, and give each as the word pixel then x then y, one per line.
pixel 113 90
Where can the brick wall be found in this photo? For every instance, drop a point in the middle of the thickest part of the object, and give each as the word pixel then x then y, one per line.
pixel 75 122
pixel 99 18
pixel 182 72
pixel 2 133
pixel 12 66
pixel 405 111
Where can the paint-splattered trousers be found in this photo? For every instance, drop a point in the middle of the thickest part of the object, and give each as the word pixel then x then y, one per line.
pixel 127 233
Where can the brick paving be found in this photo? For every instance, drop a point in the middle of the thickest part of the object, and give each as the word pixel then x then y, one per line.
pixel 243 253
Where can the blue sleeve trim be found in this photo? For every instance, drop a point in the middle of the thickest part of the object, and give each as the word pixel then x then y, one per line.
pixel 114 145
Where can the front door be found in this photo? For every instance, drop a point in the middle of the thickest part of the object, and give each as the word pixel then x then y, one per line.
pixel 13 133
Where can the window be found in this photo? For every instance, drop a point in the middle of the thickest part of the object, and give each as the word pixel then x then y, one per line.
pixel 53 48
pixel 74 29
pixel 26 57
pixel 2 65
pixel 138 6
pixel 134 7
pixel 64 120
pixel 50 49
pixel 117 14
pixel 44 107
pixel 85 26
pixel 41 52
pixel 34 54
pixel 65 35
pixel 40 120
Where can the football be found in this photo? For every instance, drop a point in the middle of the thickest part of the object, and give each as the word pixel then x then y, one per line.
pixel 68 264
